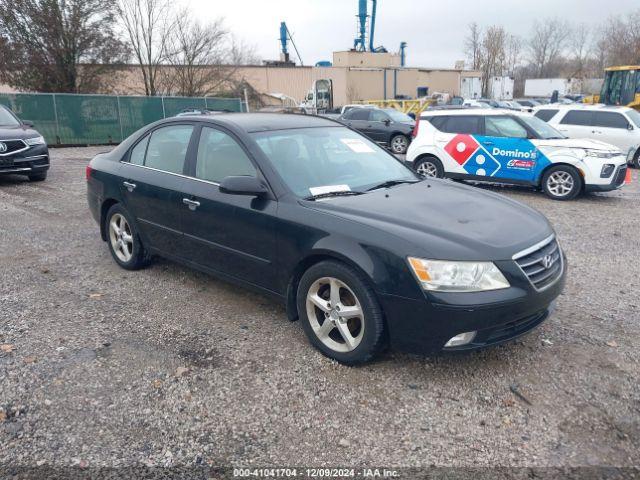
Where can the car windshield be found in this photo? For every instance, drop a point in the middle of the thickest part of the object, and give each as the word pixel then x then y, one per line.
pixel 397 116
pixel 542 129
pixel 7 119
pixel 634 115
pixel 315 161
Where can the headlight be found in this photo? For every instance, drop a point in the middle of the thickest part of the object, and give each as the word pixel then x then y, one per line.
pixel 586 153
pixel 35 141
pixel 447 276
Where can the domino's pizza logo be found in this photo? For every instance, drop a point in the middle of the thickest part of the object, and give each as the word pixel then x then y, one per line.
pixel 475 160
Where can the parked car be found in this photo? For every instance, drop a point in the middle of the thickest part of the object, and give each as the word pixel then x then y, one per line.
pixel 512 147
pixel 469 102
pixel 619 126
pixel 187 112
pixel 527 102
pixel 385 126
pixel 359 248
pixel 23 150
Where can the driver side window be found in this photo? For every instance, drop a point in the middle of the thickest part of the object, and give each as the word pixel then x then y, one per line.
pixel 377 116
pixel 220 156
pixel 504 127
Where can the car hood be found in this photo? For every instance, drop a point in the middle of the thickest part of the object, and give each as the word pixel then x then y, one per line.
pixel 17 133
pixel 444 220
pixel 576 143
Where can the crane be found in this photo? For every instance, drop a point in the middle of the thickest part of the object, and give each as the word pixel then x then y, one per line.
pixel 285 37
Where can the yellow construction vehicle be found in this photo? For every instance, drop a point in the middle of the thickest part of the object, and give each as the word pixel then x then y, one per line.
pixel 621 87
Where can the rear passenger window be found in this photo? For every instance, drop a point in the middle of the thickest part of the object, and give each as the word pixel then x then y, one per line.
pixel 577 117
pixel 546 115
pixel 167 148
pixel 358 114
pixel 466 124
pixel 220 156
pixel 137 154
pixel 437 122
pixel 610 120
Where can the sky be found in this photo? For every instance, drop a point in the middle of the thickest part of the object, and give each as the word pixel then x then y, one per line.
pixel 434 29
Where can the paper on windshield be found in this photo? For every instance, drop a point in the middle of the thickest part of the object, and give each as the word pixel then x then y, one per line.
pixel 357 145
pixel 329 189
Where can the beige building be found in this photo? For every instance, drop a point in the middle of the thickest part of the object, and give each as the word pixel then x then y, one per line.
pixel 356 76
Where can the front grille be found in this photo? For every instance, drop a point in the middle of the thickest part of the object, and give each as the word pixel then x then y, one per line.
pixel 515 328
pixel 542 264
pixel 620 176
pixel 7 147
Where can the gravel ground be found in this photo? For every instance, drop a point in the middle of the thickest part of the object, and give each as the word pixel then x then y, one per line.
pixel 167 366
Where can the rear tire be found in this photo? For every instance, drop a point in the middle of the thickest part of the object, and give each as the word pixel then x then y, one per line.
pixel 429 167
pixel 339 313
pixel 399 144
pixel 562 182
pixel 38 177
pixel 123 239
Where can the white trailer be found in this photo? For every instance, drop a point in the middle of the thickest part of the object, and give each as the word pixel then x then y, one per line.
pixel 470 87
pixel 544 87
pixel 501 88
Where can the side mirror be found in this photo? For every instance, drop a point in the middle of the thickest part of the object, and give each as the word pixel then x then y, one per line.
pixel 242 185
pixel 387 122
pixel 629 127
pixel 27 123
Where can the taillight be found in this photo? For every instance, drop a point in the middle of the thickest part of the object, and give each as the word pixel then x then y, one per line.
pixel 416 127
pixel 88 171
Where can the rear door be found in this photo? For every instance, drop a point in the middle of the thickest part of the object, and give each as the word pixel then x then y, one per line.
pixel 577 124
pixel 152 184
pixel 231 234
pixel 614 128
pixel 455 140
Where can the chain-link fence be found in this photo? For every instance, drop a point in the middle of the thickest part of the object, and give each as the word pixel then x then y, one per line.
pixel 68 119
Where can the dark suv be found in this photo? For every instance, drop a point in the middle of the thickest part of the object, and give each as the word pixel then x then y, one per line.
pixel 23 150
pixel 385 126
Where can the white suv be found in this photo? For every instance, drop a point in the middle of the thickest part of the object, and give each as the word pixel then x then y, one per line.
pixel 504 146
pixel 619 126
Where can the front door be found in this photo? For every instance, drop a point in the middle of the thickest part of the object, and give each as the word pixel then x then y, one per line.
pixel 231 234
pixel 508 153
pixel 152 185
pixel 614 128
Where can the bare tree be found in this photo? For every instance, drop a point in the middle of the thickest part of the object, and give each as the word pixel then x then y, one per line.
pixel 493 55
pixel 547 44
pixel 58 45
pixel 148 23
pixel 197 55
pixel 621 37
pixel 473 44
pixel 579 43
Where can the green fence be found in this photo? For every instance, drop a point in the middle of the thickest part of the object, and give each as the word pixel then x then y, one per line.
pixel 68 119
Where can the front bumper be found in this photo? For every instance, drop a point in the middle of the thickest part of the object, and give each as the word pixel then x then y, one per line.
pixel 425 326
pixel 33 160
pixel 616 181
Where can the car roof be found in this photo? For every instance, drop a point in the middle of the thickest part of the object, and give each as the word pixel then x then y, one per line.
pixel 265 122
pixel 469 111
pixel 584 106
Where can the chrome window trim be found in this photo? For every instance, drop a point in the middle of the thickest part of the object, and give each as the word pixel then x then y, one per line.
pixel 535 248
pixel 170 173
pixel 26 147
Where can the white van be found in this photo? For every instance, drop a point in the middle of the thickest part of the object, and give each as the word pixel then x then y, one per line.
pixel 619 126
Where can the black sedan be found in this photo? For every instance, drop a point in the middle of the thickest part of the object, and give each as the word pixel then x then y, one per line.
pixel 385 126
pixel 359 248
pixel 23 150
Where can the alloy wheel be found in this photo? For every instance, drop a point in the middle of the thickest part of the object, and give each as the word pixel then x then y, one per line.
pixel 335 314
pixel 399 144
pixel 560 183
pixel 121 237
pixel 427 169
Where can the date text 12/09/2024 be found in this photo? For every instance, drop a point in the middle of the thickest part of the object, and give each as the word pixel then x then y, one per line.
pixel 315 473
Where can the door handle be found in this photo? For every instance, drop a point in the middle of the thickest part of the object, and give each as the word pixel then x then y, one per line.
pixel 192 204
pixel 130 186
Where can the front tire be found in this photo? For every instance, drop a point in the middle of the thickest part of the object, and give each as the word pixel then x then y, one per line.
pixel 38 177
pixel 399 144
pixel 123 239
pixel 429 167
pixel 562 182
pixel 340 313
pixel 636 159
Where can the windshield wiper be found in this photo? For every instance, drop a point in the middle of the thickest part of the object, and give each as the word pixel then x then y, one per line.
pixel 391 183
pixel 344 193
